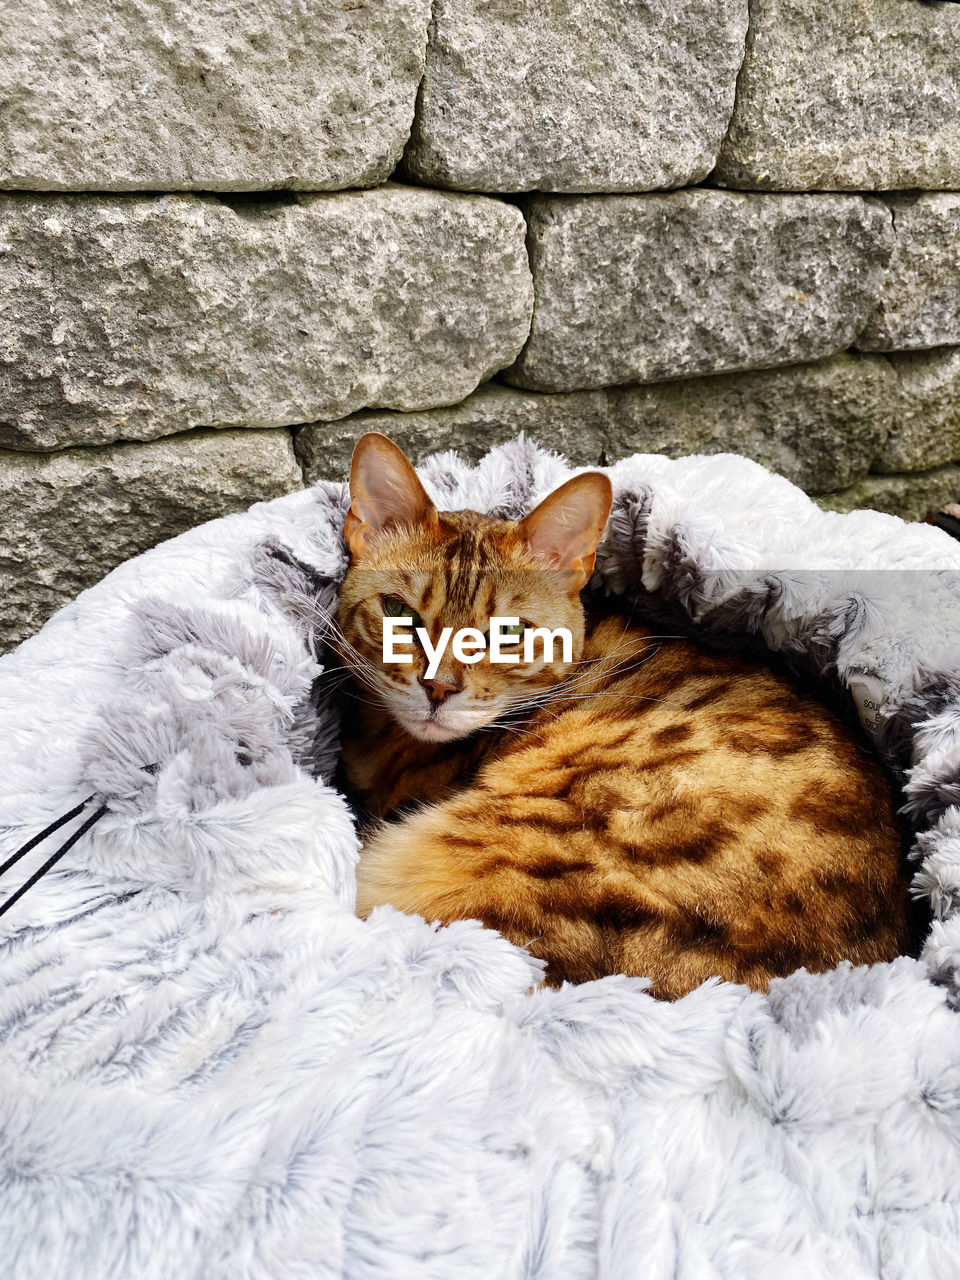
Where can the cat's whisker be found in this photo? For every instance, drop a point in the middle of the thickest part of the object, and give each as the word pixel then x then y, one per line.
pixel 521 731
pixel 377 703
pixel 357 672
pixel 371 688
pixel 569 687
pixel 627 697
pixel 352 656
pixel 336 640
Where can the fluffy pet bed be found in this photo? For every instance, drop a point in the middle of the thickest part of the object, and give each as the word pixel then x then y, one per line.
pixel 211 1068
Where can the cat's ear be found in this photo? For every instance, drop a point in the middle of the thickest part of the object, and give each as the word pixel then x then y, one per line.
pixel 563 532
pixel 384 492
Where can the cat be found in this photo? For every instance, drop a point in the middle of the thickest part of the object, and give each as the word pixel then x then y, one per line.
pixel 649 807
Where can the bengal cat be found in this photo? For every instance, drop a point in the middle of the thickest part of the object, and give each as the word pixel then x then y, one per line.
pixel 648 807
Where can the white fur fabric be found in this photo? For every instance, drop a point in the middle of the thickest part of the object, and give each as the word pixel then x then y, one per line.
pixel 210 1068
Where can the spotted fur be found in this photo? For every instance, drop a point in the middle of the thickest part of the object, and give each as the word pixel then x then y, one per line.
pixel 654 808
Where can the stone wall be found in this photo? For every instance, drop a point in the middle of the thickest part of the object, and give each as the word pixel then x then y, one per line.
pixel 617 225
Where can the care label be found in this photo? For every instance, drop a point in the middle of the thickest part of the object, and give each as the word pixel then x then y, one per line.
pixel 867 693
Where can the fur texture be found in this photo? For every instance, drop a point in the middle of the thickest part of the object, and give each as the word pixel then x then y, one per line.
pixel 682 817
pixel 211 1068
pixel 637 806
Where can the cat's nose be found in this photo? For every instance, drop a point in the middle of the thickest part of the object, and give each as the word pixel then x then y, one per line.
pixel 439 690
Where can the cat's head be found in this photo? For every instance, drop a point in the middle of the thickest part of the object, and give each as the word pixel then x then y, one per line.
pixel 459 569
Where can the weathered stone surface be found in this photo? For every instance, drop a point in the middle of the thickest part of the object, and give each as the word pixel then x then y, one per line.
pixel 920 301
pixel 646 288
pixel 862 95
pixel 226 96
pixel 132 317
pixel 71 517
pixel 574 425
pixel 576 95
pixel 913 497
pixel 822 424
pixel 925 429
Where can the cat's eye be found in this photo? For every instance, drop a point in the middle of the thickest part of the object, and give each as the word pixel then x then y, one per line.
pixel 509 633
pixel 394 607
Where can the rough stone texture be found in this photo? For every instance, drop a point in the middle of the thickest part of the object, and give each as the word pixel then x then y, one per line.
pixel 920 302
pixel 215 96
pixel 574 425
pixel 925 429
pixel 576 95
pixel 128 317
pixel 646 288
pixel 69 518
pixel 913 497
pixel 822 425
pixel 847 95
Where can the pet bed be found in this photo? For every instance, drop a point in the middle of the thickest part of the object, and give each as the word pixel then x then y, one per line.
pixel 211 1068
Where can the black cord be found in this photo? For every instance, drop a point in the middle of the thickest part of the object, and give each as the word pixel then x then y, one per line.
pixel 55 857
pixel 47 831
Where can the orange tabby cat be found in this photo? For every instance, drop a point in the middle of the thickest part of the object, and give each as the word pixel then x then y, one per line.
pixel 647 807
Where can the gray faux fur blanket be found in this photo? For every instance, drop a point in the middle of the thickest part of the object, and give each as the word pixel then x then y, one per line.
pixel 211 1068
